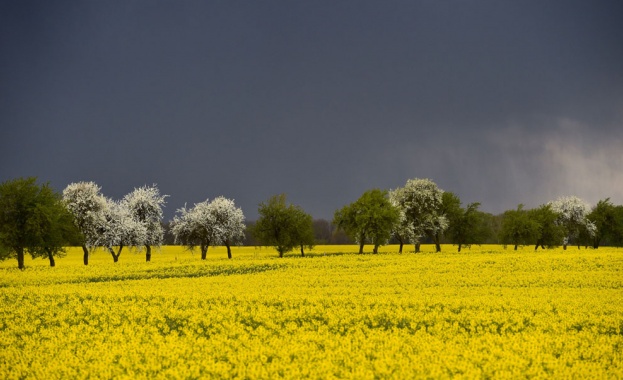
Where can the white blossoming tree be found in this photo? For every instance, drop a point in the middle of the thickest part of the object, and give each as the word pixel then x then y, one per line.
pixel 196 227
pixel 403 232
pixel 421 202
pixel 572 216
pixel 89 208
pixel 145 205
pixel 228 221
pixel 121 230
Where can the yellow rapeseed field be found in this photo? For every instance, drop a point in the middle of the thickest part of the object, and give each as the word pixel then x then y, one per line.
pixel 484 313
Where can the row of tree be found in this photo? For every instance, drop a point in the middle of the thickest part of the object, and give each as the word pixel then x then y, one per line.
pixel 36 220
pixel 420 212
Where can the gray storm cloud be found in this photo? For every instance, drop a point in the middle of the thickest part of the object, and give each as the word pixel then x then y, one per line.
pixel 499 102
pixel 566 158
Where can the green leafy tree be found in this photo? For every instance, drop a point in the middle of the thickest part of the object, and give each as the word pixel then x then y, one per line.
pixel 59 231
pixel 549 233
pixel 519 227
pixel 453 212
pixel 616 236
pixel 468 226
pixel 370 218
pixel 33 220
pixel 282 225
pixel 303 233
pixel 608 221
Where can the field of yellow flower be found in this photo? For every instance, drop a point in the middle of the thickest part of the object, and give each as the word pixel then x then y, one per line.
pixel 486 312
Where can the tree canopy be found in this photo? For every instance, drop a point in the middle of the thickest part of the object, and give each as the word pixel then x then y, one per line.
pixel 371 218
pixel 145 206
pixel 518 227
pixel 572 217
pixel 34 220
pixel 282 225
pixel 608 221
pixel 209 223
pixel 421 201
pixel 88 208
pixel 121 229
pixel 229 222
pixel 467 226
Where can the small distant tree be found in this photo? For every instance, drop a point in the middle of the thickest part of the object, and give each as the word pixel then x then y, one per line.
pixel 196 227
pixel 322 231
pixel 572 216
pixel 282 225
pixel 121 229
pixel 616 236
pixel 167 238
pixel 88 208
pixel 468 226
pixel 228 220
pixel 249 238
pixel 608 221
pixel 303 233
pixel 518 228
pixel 494 227
pixel 548 233
pixel 452 211
pixel 421 201
pixel 32 220
pixel 371 218
pixel 145 206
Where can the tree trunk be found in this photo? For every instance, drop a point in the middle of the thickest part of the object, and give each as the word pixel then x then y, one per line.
pixel 459 247
pixel 564 247
pixel 400 249
pixel 437 243
pixel 204 251
pixel 536 247
pixel 147 253
pixel 228 250
pixel 20 258
pixel 51 257
pixel 518 244
pixel 115 257
pixel 280 250
pixel 376 249
pixel 417 247
pixel 360 248
pixel 302 251
pixel 85 257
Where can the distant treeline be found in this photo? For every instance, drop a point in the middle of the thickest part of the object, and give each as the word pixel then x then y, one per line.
pixel 325 233
pixel 35 219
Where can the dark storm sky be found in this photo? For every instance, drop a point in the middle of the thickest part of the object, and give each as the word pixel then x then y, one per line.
pixel 501 102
